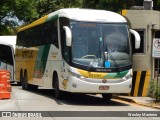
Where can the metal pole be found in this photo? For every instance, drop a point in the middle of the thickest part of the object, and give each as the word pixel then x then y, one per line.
pixel 157 79
pixel 158 84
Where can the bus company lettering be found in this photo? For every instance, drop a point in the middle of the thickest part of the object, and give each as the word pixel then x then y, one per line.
pixel 103 70
pixel 27 54
pixel 54 54
pixel 94 75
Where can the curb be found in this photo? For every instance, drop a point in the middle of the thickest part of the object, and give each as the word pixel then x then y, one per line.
pixel 134 101
pixel 124 99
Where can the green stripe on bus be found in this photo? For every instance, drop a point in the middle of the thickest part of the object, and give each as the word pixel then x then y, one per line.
pixel 122 74
pixel 52 18
pixel 45 55
pixel 116 75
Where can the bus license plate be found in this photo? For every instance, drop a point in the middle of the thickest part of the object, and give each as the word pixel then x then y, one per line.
pixel 103 87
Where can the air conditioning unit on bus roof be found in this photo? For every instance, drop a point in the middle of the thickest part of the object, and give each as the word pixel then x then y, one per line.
pixel 148 4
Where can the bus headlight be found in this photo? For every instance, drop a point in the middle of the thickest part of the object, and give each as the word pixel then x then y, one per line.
pixel 77 75
pixel 129 76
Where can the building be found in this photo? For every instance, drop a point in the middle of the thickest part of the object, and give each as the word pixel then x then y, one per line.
pixel 145 64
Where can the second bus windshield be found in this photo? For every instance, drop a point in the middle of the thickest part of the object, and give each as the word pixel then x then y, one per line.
pixel 100 45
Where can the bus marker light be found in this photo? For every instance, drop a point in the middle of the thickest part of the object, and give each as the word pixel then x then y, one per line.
pixel 64 83
pixel 74 85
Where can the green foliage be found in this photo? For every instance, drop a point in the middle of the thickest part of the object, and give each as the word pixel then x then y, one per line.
pixel 10 9
pixel 3 13
pixel 24 9
pixel 30 10
pixel 154 90
pixel 47 6
pixel 112 5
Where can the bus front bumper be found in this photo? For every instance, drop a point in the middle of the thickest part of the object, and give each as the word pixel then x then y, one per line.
pixel 81 86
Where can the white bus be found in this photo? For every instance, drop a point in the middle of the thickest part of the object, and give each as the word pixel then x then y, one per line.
pixel 76 50
pixel 7 47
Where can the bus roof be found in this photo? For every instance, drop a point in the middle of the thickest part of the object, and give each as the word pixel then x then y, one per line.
pixel 8 41
pixel 79 15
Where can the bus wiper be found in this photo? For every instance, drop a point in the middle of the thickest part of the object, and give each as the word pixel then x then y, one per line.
pixel 94 60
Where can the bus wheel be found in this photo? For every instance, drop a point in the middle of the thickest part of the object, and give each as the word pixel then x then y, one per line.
pixel 22 80
pixel 25 81
pixel 58 93
pixel 107 96
pixel 33 87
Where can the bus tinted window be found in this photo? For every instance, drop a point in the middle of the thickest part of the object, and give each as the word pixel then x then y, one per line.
pixel 39 35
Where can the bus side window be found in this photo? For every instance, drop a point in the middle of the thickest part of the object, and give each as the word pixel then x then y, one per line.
pixel 54 33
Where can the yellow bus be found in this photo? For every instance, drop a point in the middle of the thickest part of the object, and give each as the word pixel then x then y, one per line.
pixel 78 51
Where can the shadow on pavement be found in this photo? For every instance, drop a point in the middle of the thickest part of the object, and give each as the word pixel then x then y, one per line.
pixel 75 99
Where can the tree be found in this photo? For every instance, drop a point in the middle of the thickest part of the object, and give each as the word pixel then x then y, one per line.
pixel 112 5
pixel 25 9
pixel 156 4
pixel 3 13
pixel 10 10
pixel 30 10
pixel 117 5
pixel 47 6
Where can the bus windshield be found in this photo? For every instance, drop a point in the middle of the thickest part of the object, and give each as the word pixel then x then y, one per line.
pixel 101 45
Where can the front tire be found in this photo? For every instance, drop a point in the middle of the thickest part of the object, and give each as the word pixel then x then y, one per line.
pixel 58 93
pixel 107 96
pixel 22 80
pixel 25 85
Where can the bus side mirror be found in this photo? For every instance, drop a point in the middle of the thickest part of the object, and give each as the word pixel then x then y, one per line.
pixel 68 35
pixel 137 38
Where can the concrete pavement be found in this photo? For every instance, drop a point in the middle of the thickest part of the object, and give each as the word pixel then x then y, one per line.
pixel 22 100
pixel 145 101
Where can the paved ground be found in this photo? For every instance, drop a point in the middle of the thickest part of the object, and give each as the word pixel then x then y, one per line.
pixel 43 100
pixel 145 101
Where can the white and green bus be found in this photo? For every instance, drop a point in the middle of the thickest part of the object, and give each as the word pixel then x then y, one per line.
pixel 78 51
